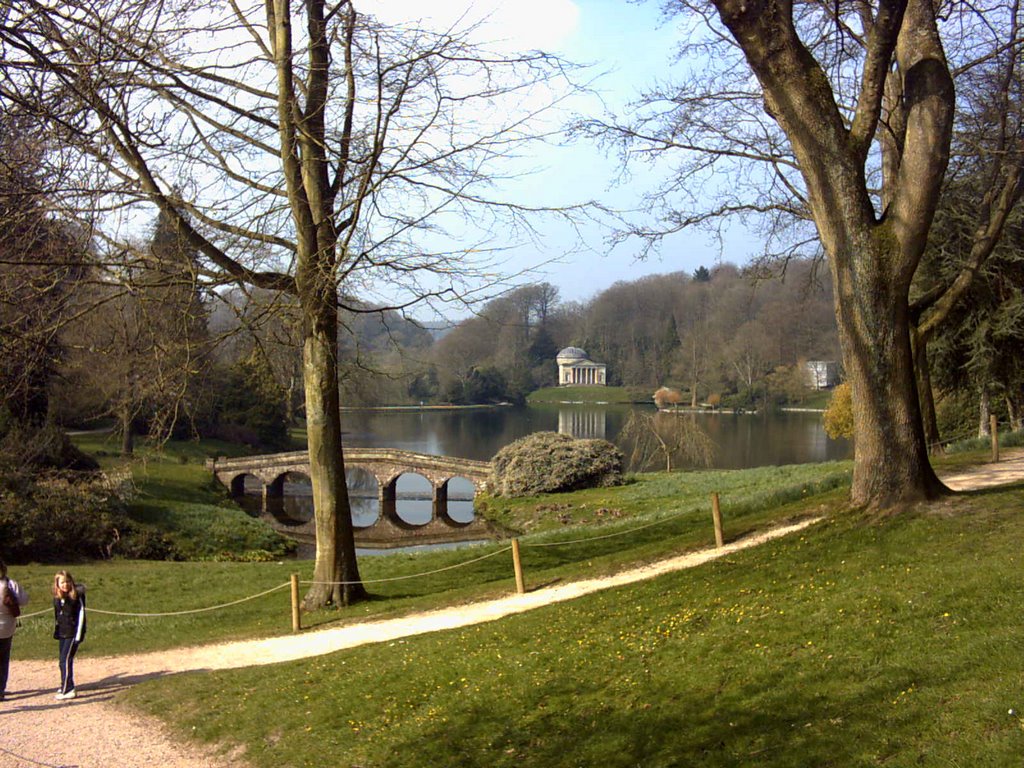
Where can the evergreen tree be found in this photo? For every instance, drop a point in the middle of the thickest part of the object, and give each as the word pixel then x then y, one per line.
pixel 250 405
pixel 543 347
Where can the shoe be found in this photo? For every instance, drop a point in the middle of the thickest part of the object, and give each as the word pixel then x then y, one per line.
pixel 64 696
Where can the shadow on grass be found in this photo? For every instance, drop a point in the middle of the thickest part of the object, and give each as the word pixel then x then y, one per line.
pixel 773 720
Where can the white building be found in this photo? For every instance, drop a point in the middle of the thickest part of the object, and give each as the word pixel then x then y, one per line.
pixel 582 423
pixel 575 368
pixel 822 374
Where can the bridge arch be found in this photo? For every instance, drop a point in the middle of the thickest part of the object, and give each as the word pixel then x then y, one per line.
pixel 237 483
pixel 415 497
pixel 460 501
pixel 447 480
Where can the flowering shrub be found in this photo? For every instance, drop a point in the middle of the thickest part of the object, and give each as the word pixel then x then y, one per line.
pixel 839 413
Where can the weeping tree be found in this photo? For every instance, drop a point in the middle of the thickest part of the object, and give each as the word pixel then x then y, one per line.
pixel 833 124
pixel 665 439
pixel 975 356
pixel 299 147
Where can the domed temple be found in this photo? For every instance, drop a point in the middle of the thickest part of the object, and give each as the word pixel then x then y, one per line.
pixel 574 368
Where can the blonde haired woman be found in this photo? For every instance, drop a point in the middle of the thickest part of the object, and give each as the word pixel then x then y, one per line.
pixel 68 628
pixel 12 597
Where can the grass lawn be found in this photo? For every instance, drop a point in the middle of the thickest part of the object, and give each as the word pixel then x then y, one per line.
pixel 176 498
pixel 861 642
pixel 889 641
pixel 656 516
pixel 589 395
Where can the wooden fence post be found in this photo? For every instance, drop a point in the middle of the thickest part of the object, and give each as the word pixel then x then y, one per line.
pixel 993 427
pixel 296 621
pixel 517 564
pixel 716 516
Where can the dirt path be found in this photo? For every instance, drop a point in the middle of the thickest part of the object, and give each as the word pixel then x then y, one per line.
pixel 103 734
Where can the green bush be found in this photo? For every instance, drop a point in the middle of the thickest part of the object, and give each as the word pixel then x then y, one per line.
pixel 56 518
pixel 46 447
pixel 249 406
pixel 549 462
pixel 197 531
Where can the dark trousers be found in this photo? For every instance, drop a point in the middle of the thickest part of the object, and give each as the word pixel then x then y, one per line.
pixel 68 647
pixel 5 661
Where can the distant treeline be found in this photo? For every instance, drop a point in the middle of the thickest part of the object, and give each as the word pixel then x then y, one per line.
pixel 723 331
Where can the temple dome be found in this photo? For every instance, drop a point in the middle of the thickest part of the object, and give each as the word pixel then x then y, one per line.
pixel 571 353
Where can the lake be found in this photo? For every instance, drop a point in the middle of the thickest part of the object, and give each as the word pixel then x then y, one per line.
pixel 741 441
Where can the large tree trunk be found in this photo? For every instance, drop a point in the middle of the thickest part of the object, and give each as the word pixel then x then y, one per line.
pixel 335 573
pixel 127 435
pixel 891 465
pixel 311 200
pixel 872 257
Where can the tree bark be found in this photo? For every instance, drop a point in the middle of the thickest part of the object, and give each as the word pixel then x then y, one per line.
pixel 984 413
pixel 335 572
pixel 891 465
pixel 127 437
pixel 929 418
pixel 872 258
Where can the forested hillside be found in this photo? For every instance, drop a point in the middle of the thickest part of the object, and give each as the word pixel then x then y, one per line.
pixel 719 331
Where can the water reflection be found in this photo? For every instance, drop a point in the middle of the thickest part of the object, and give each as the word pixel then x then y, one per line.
pixel 741 440
pixel 363 496
pixel 586 423
pixel 414 505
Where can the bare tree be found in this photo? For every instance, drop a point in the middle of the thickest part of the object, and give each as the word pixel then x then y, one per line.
pixel 298 147
pixel 43 263
pixel 137 350
pixel 832 84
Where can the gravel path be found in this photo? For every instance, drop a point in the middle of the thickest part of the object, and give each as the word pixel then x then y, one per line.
pixel 101 735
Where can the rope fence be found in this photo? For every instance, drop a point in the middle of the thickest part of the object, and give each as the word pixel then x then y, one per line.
pixel 278 588
pixel 515 547
pixel 662 521
pixel 294 581
pixel 976 434
pixel 164 614
pixel 412 575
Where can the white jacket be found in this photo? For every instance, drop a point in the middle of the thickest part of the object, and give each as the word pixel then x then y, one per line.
pixel 7 621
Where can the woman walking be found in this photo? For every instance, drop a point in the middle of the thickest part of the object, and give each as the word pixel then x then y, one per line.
pixel 68 629
pixel 12 597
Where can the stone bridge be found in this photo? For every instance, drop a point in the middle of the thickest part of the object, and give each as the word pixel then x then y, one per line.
pixel 385 465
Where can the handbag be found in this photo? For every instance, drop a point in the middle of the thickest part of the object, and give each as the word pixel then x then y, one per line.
pixel 11 601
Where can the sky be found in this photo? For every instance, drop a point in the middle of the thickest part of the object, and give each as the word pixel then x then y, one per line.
pixel 632 46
